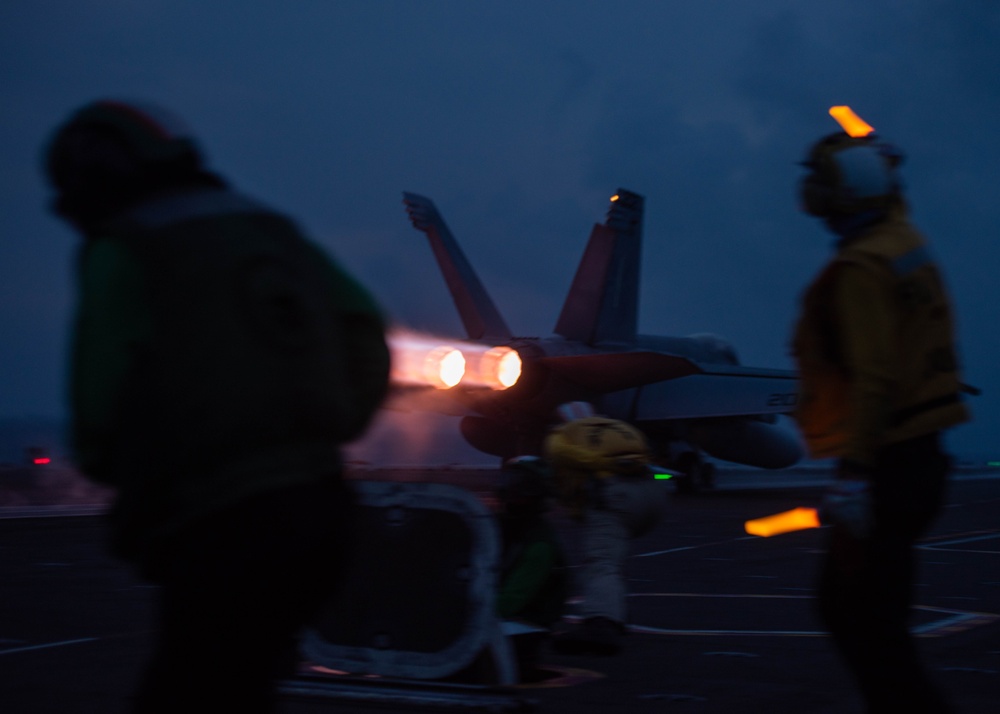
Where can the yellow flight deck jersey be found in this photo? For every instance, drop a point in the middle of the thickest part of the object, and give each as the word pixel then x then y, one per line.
pixel 875 346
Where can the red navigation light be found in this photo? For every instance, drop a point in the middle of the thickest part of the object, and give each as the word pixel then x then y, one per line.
pixel 37 456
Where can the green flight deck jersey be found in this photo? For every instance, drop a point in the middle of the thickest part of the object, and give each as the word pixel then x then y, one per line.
pixel 217 354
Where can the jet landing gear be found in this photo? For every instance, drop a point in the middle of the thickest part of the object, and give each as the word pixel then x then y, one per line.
pixel 698 474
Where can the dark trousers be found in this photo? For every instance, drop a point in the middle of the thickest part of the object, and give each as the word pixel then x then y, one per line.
pixel 866 586
pixel 236 589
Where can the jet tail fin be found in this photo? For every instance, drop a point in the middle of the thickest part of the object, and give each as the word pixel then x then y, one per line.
pixel 603 302
pixel 479 315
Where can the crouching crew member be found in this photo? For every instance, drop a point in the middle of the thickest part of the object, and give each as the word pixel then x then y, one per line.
pixel 603 478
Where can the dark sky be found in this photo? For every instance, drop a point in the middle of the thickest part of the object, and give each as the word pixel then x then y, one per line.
pixel 520 120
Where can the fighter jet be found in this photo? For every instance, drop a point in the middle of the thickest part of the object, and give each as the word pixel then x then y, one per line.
pixel 689 395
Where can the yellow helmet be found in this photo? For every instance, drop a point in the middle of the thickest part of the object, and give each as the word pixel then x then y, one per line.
pixel 598 444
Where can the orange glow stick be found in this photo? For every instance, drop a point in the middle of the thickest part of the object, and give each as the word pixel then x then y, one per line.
pixel 850 122
pixel 794 520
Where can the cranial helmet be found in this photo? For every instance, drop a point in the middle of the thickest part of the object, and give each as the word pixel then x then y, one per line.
pixel 110 152
pixel 150 133
pixel 850 171
pixel 600 445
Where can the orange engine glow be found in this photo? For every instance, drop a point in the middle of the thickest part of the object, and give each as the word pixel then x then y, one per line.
pixel 496 367
pixel 794 520
pixel 424 360
pixel 851 122
pixel 448 364
pixel 419 360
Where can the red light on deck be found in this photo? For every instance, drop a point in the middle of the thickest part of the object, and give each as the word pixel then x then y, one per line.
pixel 41 460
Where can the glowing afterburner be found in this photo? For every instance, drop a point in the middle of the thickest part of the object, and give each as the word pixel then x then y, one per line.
pixel 497 368
pixel 423 361
pixel 427 361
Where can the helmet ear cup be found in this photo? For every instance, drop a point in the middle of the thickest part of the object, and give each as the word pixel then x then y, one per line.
pixel 93 171
pixel 84 157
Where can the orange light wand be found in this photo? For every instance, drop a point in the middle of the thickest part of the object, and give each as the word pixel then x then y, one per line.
pixel 850 122
pixel 794 520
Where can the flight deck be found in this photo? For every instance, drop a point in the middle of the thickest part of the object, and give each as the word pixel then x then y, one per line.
pixel 720 621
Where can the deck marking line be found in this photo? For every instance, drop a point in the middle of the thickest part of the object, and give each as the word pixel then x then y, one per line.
pixel 47 646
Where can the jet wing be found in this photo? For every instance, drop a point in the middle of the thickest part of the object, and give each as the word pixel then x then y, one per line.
pixel 614 371
pixel 718 391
